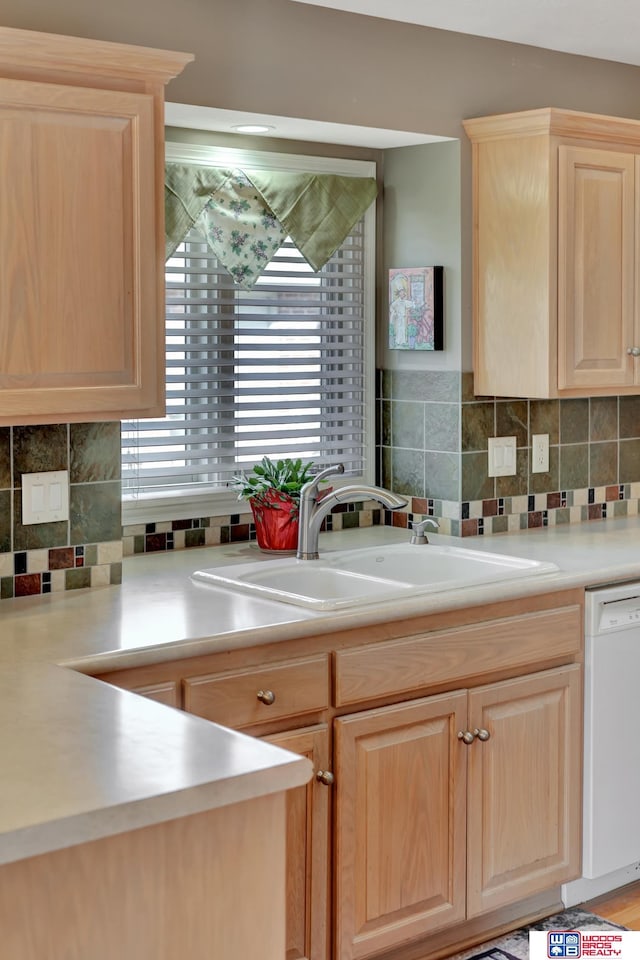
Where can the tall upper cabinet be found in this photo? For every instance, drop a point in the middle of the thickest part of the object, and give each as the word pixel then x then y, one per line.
pixel 81 227
pixel 556 230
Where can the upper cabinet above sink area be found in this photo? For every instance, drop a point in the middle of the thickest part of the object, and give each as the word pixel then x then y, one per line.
pixel 556 218
pixel 81 228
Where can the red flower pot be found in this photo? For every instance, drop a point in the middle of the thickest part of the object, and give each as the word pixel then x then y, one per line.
pixel 276 519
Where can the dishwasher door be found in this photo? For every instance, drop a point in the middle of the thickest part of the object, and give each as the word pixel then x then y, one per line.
pixel 612 730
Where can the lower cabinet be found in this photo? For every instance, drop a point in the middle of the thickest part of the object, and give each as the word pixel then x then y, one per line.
pixel 400 823
pixel 456 749
pixel 450 806
pixel 308 847
pixel 524 787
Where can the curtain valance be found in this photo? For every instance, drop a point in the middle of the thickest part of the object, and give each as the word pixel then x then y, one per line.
pixel 244 215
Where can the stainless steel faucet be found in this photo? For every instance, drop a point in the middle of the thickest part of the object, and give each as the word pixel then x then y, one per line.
pixel 314 507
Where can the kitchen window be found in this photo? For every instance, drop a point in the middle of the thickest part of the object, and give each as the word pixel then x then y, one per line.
pixel 284 369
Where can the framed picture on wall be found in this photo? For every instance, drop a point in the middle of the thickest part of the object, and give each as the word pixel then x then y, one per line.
pixel 416 308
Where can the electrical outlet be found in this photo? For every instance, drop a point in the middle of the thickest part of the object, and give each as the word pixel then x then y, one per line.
pixel 501 455
pixel 540 453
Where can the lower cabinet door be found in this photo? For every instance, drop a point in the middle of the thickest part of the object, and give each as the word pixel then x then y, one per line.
pixel 400 823
pixel 308 847
pixel 524 806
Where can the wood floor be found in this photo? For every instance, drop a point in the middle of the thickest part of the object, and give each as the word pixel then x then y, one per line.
pixel 622 906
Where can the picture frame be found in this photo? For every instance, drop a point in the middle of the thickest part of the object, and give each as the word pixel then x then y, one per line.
pixel 416 308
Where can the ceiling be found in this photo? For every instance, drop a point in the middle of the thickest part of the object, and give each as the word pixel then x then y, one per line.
pixel 292 128
pixel 607 31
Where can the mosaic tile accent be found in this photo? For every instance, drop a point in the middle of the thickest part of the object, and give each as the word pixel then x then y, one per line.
pixel 235 528
pixel 500 515
pixel 68 568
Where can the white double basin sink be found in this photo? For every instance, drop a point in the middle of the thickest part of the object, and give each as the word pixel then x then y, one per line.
pixel 349 578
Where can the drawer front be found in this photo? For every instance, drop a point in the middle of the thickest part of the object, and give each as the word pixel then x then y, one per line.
pixel 166 692
pixel 454 655
pixel 252 696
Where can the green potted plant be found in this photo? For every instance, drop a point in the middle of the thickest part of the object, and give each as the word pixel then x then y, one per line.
pixel 273 491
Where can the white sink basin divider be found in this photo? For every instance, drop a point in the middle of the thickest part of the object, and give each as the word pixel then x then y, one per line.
pixel 370 575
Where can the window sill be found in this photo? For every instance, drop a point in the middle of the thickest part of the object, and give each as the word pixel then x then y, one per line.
pixel 180 506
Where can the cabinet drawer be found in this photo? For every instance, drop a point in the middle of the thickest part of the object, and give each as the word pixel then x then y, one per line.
pixel 251 696
pixel 455 655
pixel 166 692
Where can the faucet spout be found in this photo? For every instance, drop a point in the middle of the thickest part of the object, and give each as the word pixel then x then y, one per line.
pixel 314 507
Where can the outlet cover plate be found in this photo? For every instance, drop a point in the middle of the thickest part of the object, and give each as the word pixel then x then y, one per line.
pixel 540 453
pixel 45 496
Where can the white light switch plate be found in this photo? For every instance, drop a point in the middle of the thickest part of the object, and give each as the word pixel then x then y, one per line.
pixel 45 496
pixel 502 456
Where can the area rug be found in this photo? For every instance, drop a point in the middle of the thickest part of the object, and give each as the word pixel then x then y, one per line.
pixel 515 945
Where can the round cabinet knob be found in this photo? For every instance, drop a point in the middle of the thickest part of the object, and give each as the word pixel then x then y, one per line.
pixel 325 776
pixel 633 351
pixel 466 736
pixel 266 696
pixel 481 734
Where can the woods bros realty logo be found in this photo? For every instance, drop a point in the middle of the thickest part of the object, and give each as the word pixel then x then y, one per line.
pixel 570 943
pixel 574 944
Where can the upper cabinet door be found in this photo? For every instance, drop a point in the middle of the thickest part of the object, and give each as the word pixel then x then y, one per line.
pixel 556 297
pixel 81 227
pixel 78 313
pixel 595 268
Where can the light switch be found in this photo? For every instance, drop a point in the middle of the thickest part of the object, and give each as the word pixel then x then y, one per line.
pixel 501 456
pixel 45 496
pixel 37 498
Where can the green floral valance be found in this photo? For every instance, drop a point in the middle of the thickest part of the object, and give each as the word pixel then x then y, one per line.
pixel 245 214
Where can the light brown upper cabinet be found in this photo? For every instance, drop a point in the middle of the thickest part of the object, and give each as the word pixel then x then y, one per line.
pixel 81 228
pixel 556 225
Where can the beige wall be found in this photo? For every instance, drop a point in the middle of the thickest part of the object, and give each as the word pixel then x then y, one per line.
pixel 422 228
pixel 287 58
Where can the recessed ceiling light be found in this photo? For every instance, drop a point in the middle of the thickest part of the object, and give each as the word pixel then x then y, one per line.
pixel 252 128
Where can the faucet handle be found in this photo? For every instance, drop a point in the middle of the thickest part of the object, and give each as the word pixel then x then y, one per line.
pixel 312 485
pixel 418 527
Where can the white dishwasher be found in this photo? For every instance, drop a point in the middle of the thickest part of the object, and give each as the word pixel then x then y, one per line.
pixel 611 806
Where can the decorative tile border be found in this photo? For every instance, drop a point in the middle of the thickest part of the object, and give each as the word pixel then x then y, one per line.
pixel 182 534
pixel 510 514
pixel 28 573
pixel 234 528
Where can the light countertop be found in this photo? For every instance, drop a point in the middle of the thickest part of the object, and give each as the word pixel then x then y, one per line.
pixel 82 759
pixel 159 613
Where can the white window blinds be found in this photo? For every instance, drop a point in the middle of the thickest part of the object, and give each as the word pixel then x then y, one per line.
pixel 281 370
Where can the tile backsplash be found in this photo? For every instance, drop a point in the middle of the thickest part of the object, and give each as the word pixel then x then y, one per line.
pixel 85 550
pixel 432 435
